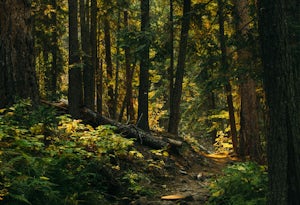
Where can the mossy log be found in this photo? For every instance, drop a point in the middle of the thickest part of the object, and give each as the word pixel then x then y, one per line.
pixel 127 130
pixel 130 131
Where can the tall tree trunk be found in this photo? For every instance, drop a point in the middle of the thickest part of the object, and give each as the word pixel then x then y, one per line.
pixel 164 122
pixel 100 87
pixel 47 71
pixel 94 48
pixel 280 38
pixel 109 67
pixel 54 52
pixel 117 80
pixel 232 123
pixel 88 69
pixel 99 74
pixel 177 89
pixel 249 143
pixel 143 121
pixel 225 70
pixel 17 73
pixel 129 76
pixel 75 94
pixel 171 50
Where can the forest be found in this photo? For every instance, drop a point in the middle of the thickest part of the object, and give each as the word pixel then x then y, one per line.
pixel 145 102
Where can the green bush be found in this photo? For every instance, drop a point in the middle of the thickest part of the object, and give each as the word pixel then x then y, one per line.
pixel 77 164
pixel 242 184
pixel 24 114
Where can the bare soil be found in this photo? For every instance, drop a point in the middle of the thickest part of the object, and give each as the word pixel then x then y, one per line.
pixel 184 179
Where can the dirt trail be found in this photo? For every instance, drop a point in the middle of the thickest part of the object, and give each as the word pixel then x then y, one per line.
pixel 186 181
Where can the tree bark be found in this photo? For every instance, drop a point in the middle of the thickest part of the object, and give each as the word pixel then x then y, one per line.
pixel 130 131
pixel 171 50
pixel 280 39
pixel 129 76
pixel 249 143
pixel 143 119
pixel 75 93
pixel 54 52
pixel 88 69
pixel 100 87
pixel 177 90
pixel 94 48
pixel 225 70
pixel 17 72
pixel 109 67
pixel 117 73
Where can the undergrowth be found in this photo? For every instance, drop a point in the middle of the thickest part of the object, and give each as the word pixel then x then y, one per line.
pixel 52 160
pixel 242 184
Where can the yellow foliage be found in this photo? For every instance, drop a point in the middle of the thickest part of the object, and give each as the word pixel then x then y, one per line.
pixel 160 152
pixel 218 193
pixel 223 143
pixel 165 154
pixel 117 167
pixel 37 129
pixel 136 154
pixel 156 112
pixel 44 178
pixel 222 115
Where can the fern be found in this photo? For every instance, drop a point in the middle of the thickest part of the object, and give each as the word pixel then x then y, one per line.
pixel 242 183
pixel 19 198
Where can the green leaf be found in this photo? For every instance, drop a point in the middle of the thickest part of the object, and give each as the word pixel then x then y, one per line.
pixel 20 198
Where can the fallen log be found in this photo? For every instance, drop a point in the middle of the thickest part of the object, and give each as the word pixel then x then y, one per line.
pixel 127 130
pixel 61 106
pixel 130 131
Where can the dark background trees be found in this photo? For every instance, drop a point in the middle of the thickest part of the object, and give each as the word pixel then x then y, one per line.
pixel 50 53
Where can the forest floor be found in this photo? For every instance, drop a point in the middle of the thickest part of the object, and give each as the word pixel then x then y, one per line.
pixel 181 177
pixel 184 179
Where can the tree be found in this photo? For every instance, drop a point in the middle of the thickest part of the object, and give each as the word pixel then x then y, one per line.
pixel 280 39
pixel 109 66
pixel 75 93
pixel 143 121
pixel 129 70
pixel 171 50
pixel 249 143
pixel 117 73
pixel 177 87
pixel 88 68
pixel 94 48
pixel 49 29
pixel 99 82
pixel 17 74
pixel 224 70
pixel 54 51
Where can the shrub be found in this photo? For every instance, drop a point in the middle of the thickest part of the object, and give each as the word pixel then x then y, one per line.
pixel 76 165
pixel 242 184
pixel 24 114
